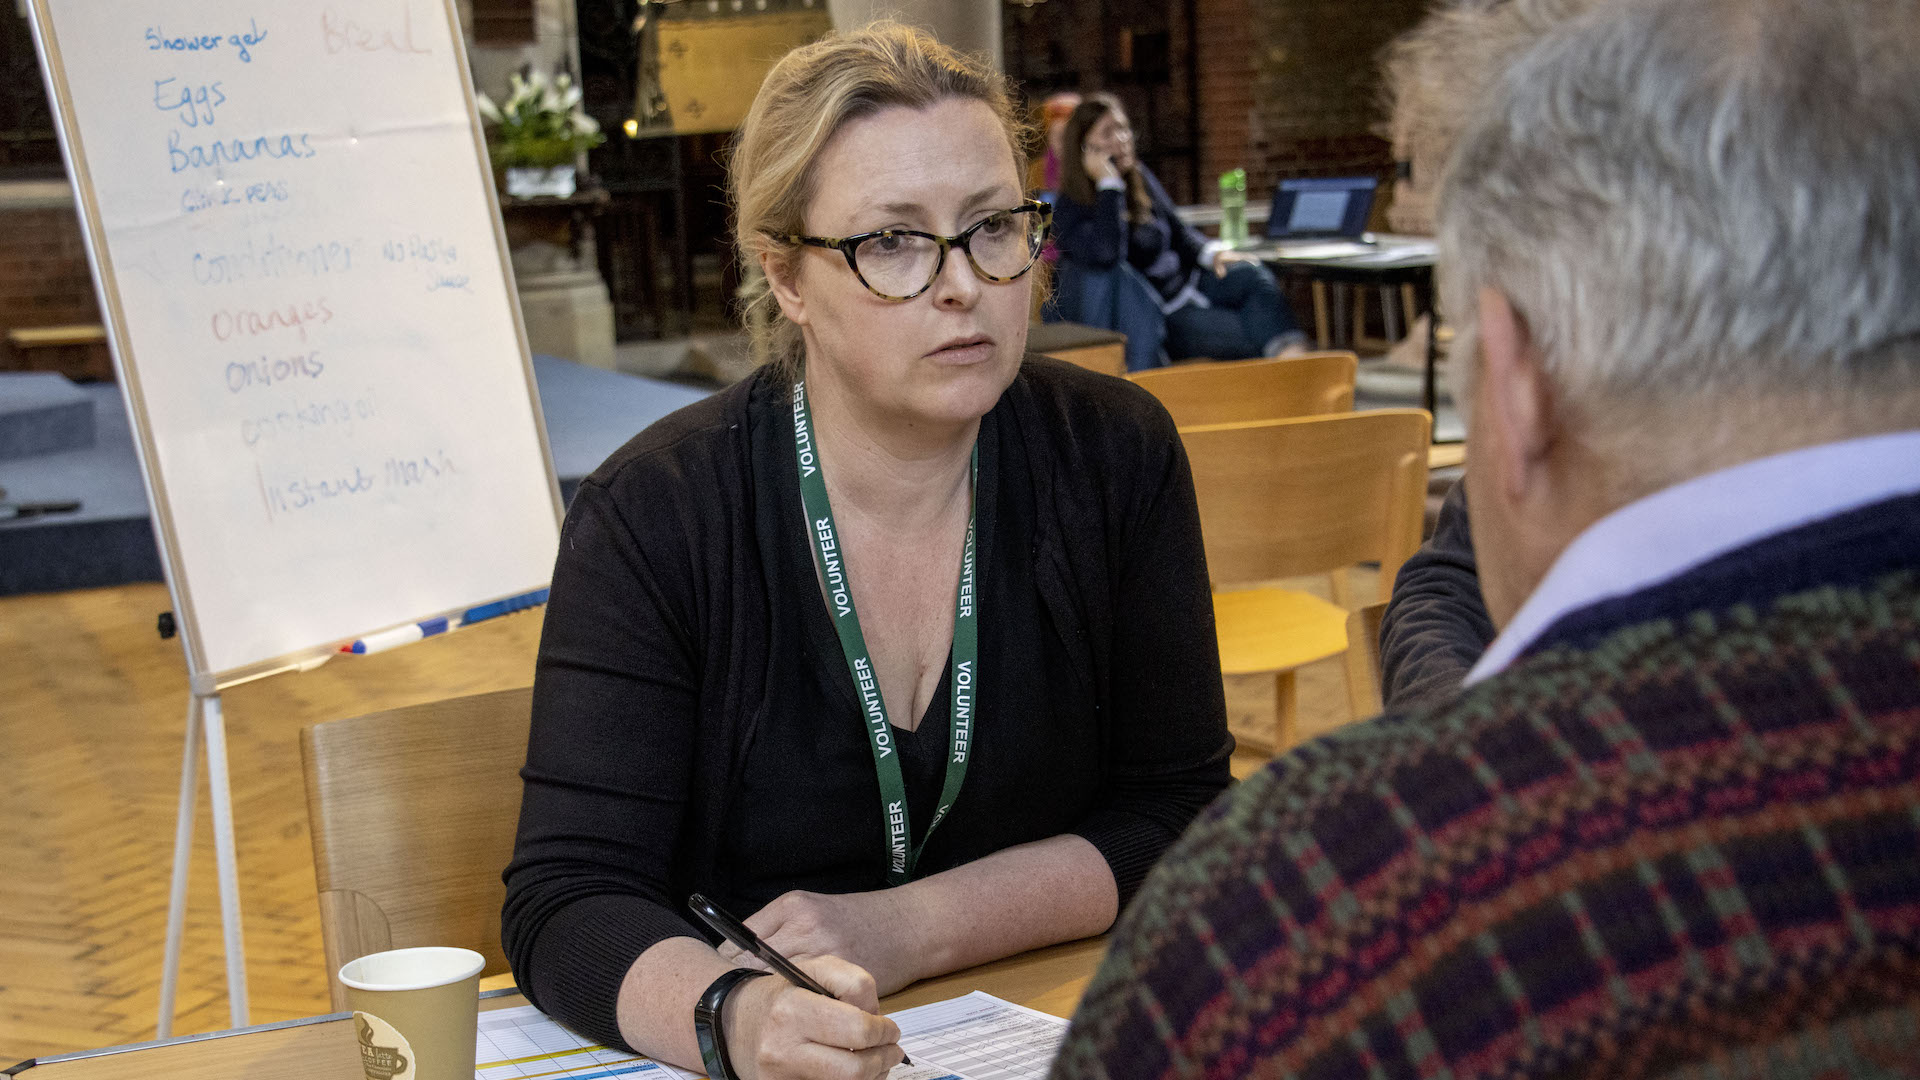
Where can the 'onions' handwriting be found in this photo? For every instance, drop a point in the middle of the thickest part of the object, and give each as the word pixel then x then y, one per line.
pixel 267 371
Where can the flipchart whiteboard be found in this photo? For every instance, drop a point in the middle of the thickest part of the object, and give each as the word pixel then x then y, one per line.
pixel 294 232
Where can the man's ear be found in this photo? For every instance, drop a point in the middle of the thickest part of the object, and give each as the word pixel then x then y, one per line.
pixel 1513 391
pixel 781 282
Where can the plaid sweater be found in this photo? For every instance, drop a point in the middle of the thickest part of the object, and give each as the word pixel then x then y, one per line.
pixel 1685 846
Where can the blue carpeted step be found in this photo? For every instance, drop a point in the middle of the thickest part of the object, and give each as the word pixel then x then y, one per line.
pixel 42 413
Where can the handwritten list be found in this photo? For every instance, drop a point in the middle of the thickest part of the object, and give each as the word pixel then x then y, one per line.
pixel 294 217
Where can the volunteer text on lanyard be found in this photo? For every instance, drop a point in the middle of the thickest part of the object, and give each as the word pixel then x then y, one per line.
pixel 901 853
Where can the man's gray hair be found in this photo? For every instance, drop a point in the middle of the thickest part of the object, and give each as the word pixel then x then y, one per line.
pixel 1436 74
pixel 1686 196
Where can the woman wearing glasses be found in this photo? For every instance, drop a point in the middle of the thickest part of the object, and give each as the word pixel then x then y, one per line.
pixel 901 647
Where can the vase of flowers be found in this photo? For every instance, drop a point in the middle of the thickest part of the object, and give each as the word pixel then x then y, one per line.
pixel 536 137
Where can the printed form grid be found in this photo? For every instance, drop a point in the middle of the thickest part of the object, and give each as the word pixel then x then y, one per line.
pixel 520 1044
pixel 983 1038
pixel 977 1037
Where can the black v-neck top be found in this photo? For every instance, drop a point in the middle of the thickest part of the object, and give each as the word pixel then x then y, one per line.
pixel 695 727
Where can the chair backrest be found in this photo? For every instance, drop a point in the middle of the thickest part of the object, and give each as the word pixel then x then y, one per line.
pixel 1236 391
pixel 1363 660
pixel 1287 498
pixel 1091 347
pixel 1105 359
pixel 413 813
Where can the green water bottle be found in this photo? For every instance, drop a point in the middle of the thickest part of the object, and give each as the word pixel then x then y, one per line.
pixel 1233 207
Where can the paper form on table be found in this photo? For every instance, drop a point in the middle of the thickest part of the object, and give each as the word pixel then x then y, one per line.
pixel 980 1037
pixel 513 1044
pixel 977 1037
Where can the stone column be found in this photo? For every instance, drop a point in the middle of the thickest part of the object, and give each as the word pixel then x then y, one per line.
pixel 968 25
pixel 565 303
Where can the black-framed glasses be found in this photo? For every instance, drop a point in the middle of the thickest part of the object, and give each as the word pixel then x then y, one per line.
pixel 900 264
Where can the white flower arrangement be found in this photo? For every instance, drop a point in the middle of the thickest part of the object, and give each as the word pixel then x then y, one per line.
pixel 541 125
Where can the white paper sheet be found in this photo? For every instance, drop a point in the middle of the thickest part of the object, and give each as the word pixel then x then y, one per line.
pixel 1393 253
pixel 977 1037
pixel 1322 249
pixel 980 1037
pixel 513 1044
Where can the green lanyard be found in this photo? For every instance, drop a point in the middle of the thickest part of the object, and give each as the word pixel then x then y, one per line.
pixel 824 535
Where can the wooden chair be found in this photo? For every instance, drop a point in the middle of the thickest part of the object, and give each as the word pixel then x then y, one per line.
pixel 1236 391
pixel 413 813
pixel 1289 498
pixel 1363 660
pixel 1090 347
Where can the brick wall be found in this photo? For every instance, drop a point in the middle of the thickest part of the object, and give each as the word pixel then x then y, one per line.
pixel 1226 87
pixel 44 282
pixel 1291 87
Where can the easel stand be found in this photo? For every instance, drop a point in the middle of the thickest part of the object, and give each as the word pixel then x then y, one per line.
pixel 251 594
pixel 205 726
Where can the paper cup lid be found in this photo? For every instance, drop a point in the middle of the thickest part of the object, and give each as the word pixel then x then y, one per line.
pixel 412 969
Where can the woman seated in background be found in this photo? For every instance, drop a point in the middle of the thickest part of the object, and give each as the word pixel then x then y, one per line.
pixel 1218 303
pixel 902 647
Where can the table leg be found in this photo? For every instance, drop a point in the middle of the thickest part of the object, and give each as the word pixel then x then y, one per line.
pixel 1430 393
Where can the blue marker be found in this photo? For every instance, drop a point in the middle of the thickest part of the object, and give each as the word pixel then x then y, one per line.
pixel 399 635
pixel 406 635
pixel 504 607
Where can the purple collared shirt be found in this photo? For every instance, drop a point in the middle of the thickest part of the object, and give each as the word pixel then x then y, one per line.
pixel 1657 538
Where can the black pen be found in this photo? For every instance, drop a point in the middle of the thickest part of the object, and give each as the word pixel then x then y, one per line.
pixel 736 931
pixel 11 511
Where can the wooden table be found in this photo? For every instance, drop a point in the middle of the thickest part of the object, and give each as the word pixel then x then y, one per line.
pixel 323 1047
pixel 1415 268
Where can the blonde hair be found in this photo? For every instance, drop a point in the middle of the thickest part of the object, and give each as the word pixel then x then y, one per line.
pixel 805 100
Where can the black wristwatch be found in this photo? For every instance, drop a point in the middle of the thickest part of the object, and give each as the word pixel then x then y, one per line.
pixel 706 1023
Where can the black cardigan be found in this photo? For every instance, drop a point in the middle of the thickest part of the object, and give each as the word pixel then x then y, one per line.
pixel 695 727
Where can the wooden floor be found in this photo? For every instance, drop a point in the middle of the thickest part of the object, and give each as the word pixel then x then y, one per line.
pixel 92 708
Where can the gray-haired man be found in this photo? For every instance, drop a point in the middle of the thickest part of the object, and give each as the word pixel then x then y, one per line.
pixel 1672 827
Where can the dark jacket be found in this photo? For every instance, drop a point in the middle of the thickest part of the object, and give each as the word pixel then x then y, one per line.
pixel 1164 249
pixel 1436 626
pixel 695 727
pixel 1683 828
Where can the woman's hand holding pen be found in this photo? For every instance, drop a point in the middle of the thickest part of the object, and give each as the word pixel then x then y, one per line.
pixel 776 1030
pixel 872 930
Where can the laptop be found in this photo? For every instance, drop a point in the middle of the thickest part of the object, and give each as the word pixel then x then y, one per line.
pixel 1322 213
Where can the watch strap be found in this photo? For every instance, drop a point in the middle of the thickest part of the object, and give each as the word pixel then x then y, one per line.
pixel 707 1027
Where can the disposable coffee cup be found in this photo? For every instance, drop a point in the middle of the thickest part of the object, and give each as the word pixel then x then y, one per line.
pixel 415 1012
